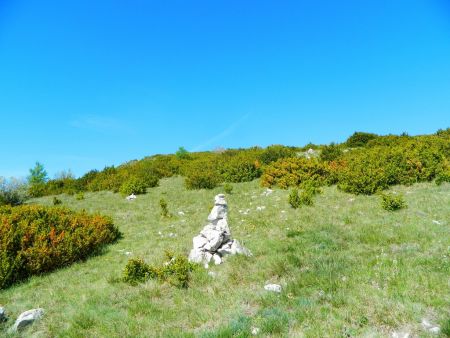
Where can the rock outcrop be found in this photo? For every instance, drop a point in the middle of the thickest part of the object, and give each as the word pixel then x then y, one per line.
pixel 214 241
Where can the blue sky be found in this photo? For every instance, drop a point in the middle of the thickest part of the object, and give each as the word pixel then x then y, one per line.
pixel 84 84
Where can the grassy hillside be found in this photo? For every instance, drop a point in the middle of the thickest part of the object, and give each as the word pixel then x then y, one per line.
pixel 348 268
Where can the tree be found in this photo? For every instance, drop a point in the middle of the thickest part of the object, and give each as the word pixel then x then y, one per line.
pixel 182 154
pixel 37 179
pixel 38 175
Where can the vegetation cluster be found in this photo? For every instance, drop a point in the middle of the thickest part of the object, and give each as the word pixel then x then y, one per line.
pixel 39 239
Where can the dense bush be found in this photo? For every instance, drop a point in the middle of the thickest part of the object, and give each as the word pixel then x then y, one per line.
pixel 391 202
pixel 133 185
pixel 240 169
pixel 176 271
pixel 294 198
pixel 228 188
pixel 38 239
pixel 202 174
pixel 359 139
pixel 368 170
pixel 292 172
pixel 331 152
pixel 275 152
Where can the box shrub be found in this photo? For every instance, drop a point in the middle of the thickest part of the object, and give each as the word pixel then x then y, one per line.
pixel 275 152
pixel 292 172
pixel 176 271
pixel 39 239
pixel 360 139
pixel 391 202
pixel 133 186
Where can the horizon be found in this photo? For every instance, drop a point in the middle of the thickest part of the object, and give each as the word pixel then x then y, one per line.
pixel 88 85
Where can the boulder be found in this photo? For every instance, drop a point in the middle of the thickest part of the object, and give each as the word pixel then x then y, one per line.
pixel 26 318
pixel 3 317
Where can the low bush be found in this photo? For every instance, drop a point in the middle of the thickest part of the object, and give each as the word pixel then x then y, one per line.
pixel 39 239
pixel 391 202
pixel 164 208
pixel 275 152
pixel 293 172
pixel 133 186
pixel 228 188
pixel 294 198
pixel 79 196
pixel 202 174
pixel 360 139
pixel 176 271
pixel 56 201
pixel 331 152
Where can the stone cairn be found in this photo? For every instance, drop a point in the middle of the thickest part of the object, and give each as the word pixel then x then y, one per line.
pixel 214 241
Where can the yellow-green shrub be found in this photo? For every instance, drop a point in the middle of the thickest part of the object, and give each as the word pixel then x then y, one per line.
pixel 292 172
pixel 39 239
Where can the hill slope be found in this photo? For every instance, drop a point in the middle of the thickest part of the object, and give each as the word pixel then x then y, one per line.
pixel 347 267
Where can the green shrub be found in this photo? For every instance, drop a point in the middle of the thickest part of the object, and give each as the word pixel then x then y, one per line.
pixel 331 152
pixel 275 152
pixel 164 208
pixel 133 186
pixel 306 197
pixel 240 169
pixel 228 188
pixel 391 202
pixel 38 239
pixel 136 271
pixel 294 198
pixel 56 201
pixel 79 196
pixel 176 271
pixel 292 172
pixel 360 139
pixel 443 175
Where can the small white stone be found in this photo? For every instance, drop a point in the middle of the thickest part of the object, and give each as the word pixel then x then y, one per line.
pixel 437 222
pixel 255 331
pixel 217 259
pixel 181 213
pixel 131 197
pixel 273 288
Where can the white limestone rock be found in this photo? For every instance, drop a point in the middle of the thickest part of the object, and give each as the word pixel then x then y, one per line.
pixel 273 288
pixel 3 317
pixel 199 241
pixel 132 197
pixel 26 318
pixel 218 212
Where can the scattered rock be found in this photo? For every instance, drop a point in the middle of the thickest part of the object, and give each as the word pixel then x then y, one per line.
pixel 26 318
pixel 255 331
pixel 400 334
pixel 430 327
pixel 261 208
pixel 437 222
pixel 214 240
pixel 212 274
pixel 3 317
pixel 132 197
pixel 273 287
pixel 267 192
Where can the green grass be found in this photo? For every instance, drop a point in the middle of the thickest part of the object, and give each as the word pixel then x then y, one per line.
pixel 348 268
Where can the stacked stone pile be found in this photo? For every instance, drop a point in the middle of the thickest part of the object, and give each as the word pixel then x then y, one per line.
pixel 214 241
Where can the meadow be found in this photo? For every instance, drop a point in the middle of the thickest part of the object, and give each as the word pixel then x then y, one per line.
pixel 347 268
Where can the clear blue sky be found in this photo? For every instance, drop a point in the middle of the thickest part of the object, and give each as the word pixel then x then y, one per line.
pixel 84 83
